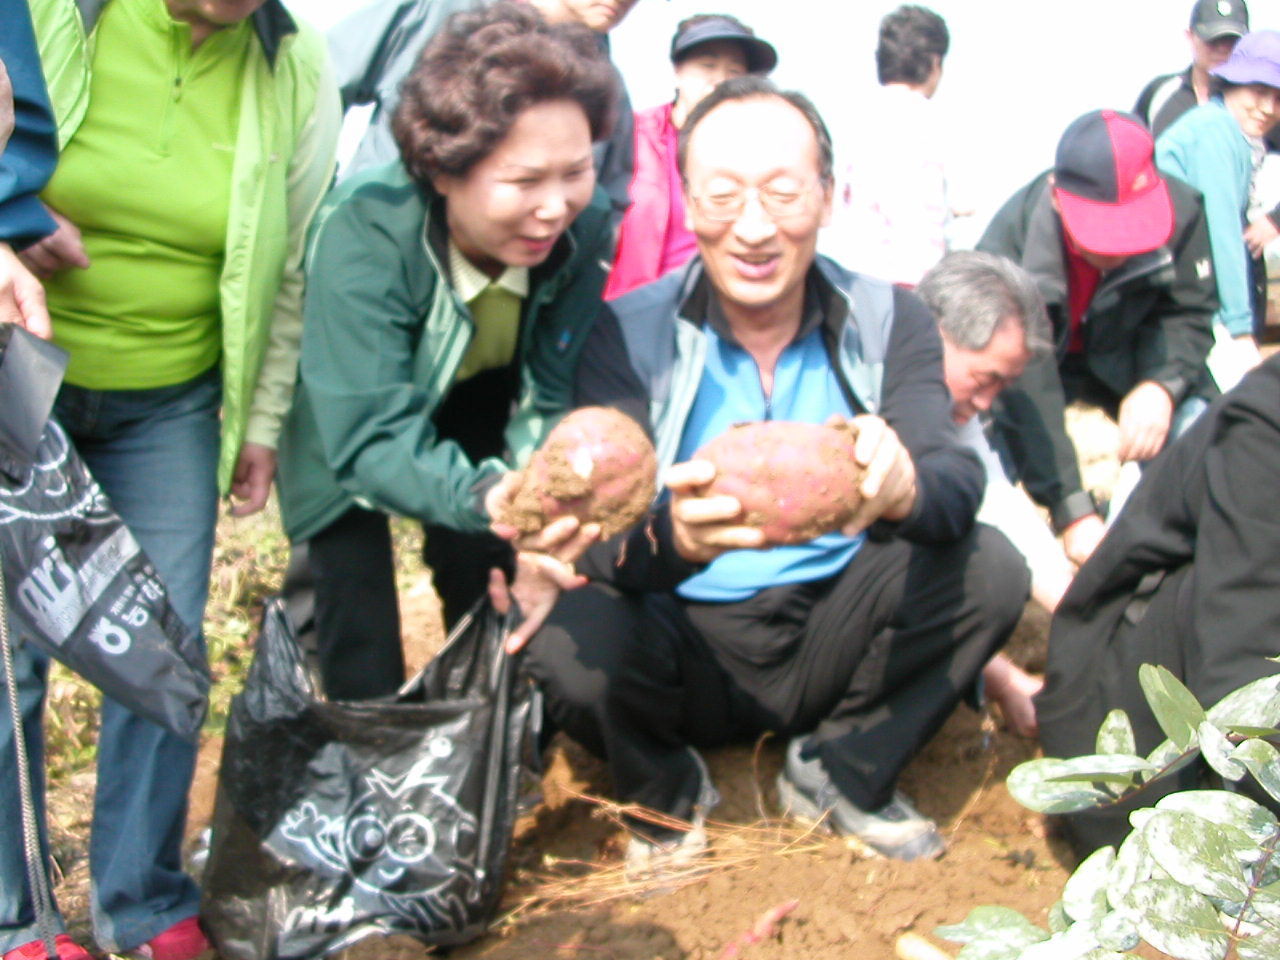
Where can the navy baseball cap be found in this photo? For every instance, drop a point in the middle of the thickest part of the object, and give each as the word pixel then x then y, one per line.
pixel 1113 201
pixel 1214 19
pixel 761 57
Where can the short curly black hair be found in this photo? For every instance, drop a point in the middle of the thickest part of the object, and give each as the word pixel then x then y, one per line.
pixel 483 69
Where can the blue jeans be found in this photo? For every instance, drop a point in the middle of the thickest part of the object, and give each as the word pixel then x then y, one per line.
pixel 155 454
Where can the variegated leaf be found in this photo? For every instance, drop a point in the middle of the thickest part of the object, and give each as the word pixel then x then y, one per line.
pixel 1196 853
pixel 1175 707
pixel 1179 921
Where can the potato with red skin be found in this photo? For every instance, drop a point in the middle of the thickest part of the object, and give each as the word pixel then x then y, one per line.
pixel 597 464
pixel 795 481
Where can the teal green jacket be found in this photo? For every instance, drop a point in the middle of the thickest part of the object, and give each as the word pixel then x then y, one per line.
pixel 283 164
pixel 383 335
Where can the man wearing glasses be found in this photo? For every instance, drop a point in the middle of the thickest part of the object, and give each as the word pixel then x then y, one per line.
pixel 695 630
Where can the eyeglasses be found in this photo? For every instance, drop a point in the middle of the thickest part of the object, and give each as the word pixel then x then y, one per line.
pixel 779 201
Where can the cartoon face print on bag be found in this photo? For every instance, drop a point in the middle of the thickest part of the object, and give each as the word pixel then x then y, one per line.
pixel 392 839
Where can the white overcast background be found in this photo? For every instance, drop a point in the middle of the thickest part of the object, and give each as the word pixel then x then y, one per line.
pixel 1018 72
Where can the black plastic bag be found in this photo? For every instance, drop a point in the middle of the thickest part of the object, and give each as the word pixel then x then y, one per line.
pixel 335 820
pixel 78 586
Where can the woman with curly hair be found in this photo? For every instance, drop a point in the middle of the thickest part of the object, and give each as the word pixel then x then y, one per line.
pixel 448 299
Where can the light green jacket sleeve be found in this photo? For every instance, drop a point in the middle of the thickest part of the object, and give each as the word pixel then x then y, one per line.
pixel 310 174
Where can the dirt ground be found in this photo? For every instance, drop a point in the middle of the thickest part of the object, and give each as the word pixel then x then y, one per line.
pixel 848 904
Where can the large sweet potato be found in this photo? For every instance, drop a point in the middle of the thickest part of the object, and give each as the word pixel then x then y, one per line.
pixel 796 481
pixel 596 464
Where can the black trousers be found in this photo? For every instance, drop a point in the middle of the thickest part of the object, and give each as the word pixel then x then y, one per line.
pixel 871 662
pixel 351 568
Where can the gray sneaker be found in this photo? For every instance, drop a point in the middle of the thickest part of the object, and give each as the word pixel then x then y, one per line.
pixel 648 859
pixel 897 830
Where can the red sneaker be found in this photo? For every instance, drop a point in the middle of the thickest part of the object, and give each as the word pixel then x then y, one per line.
pixel 67 948
pixel 183 941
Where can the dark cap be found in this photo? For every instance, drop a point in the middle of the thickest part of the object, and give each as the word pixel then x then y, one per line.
pixel 1112 200
pixel 761 57
pixel 1214 19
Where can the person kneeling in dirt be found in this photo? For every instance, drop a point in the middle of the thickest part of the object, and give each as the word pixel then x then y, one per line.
pixel 690 635
pixel 1122 257
pixel 993 321
pixel 1188 577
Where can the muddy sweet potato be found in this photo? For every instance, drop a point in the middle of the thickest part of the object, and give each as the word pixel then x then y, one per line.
pixel 796 481
pixel 596 464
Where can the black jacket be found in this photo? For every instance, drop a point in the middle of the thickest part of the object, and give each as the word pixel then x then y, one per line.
pixel 1187 577
pixel 1150 319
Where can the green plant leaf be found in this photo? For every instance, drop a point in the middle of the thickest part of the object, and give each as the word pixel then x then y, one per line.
pixel 1247 731
pixel 1107 768
pixel 1233 811
pixel 1263 761
pixel 1216 750
pixel 1073 943
pixel 1132 865
pixel 1085 895
pixel 1030 785
pixel 992 933
pixel 1167 758
pixel 1058 919
pixel 1118 931
pixel 1116 734
pixel 1179 921
pixel 1197 853
pixel 1175 707
pixel 1266 904
pixel 1256 704
pixel 1261 946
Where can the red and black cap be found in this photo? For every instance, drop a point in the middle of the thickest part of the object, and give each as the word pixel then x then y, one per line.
pixel 1113 201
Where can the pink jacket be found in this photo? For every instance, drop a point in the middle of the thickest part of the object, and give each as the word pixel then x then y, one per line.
pixel 642 237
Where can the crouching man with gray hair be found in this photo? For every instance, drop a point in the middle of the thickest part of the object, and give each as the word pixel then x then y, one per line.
pixel 992 319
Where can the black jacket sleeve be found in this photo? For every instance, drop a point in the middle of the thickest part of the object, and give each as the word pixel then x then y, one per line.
pixel 915 402
pixel 1030 414
pixel 1172 345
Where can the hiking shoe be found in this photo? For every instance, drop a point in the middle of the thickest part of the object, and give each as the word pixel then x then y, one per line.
pixel 67 949
pixel 183 941
pixel 896 830
pixel 649 858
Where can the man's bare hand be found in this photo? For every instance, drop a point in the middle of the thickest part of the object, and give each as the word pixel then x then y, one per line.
pixel 61 250
pixel 544 569
pixel 1081 538
pixel 22 296
pixel 251 482
pixel 888 486
pixel 705 527
pixel 1259 234
pixel 1145 415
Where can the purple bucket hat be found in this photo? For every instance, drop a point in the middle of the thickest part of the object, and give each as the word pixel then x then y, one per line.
pixel 1255 59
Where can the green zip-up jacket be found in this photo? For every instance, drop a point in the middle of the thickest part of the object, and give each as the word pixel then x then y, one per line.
pixel 384 335
pixel 288 133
